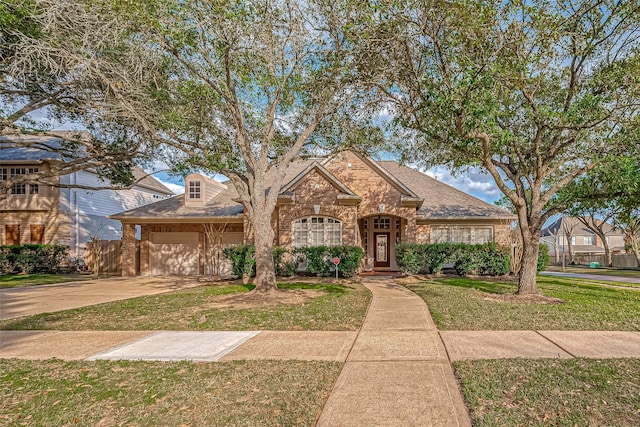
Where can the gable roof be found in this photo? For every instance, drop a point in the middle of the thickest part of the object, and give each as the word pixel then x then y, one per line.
pixel 315 166
pixel 439 201
pixel 398 184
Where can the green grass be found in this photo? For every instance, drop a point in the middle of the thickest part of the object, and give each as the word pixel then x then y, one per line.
pixel 544 392
pixel 468 304
pixel 245 393
pixel 21 280
pixel 338 308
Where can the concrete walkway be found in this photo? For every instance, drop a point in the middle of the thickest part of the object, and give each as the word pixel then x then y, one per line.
pixel 397 368
pixel 397 372
pixel 600 277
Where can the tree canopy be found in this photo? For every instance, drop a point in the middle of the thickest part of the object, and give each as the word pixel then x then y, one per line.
pixel 534 92
pixel 69 63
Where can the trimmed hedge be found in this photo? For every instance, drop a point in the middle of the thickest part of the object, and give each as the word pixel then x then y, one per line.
pixel 487 259
pixel 32 258
pixel 319 260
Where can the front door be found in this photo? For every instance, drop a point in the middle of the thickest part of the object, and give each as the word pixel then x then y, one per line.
pixel 381 249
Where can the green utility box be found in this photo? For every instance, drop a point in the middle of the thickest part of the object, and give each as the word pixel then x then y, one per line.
pixel 594 265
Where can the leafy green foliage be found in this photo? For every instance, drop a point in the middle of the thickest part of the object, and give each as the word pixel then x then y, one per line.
pixel 318 260
pixel 487 259
pixel 30 258
pixel 543 257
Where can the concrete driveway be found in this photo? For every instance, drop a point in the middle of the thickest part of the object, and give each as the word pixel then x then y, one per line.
pixel 18 302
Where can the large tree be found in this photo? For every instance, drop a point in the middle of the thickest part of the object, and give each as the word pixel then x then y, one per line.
pixel 60 62
pixel 250 82
pixel 533 92
pixel 610 192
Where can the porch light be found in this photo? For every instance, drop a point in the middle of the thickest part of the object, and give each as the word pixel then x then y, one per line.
pixel 381 208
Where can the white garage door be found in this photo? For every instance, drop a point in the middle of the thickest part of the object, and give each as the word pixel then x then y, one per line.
pixel 174 254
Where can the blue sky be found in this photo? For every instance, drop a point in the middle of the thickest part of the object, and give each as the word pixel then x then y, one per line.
pixel 474 182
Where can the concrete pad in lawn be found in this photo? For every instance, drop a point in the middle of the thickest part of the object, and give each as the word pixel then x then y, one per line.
pixel 465 345
pixel 71 345
pixel 597 344
pixel 398 345
pixel 205 346
pixel 295 345
pixel 387 394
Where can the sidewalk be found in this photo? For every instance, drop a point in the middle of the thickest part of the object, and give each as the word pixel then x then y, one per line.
pixel 397 373
pixel 397 367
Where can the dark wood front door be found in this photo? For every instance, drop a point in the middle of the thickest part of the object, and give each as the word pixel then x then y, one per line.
pixel 381 249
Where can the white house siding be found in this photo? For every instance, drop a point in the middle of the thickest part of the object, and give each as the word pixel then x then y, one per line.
pixel 88 208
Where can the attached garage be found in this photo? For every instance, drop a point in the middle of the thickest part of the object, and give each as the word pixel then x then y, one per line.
pixel 174 253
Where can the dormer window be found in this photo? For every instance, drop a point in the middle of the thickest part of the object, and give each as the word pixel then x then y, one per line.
pixel 195 190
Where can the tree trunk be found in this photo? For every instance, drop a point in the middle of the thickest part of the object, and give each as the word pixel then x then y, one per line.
pixel 265 269
pixel 529 267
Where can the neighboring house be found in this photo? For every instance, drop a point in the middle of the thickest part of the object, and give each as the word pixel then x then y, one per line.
pixel 569 236
pixel 47 214
pixel 346 199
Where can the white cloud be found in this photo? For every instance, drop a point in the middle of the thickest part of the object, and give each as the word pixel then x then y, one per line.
pixel 176 188
pixel 474 182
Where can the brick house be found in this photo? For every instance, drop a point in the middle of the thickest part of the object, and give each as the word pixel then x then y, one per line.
pixel 346 199
pixel 46 213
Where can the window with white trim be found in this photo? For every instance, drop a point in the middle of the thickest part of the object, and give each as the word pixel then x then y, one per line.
pixel 195 190
pixel 316 231
pixel 461 234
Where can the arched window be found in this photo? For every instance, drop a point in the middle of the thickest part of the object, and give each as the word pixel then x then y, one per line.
pixel 317 231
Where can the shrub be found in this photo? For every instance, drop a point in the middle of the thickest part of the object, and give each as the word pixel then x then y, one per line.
pixel 27 261
pixel 436 256
pixel 543 257
pixel 30 258
pixel 319 260
pixel 242 259
pixel 409 257
pixel 350 259
pixel 486 259
pixel 465 261
pixel 493 260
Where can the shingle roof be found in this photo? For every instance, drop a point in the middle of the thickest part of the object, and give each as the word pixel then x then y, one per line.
pixel 35 154
pixel 441 201
pixel 577 228
pixel 224 205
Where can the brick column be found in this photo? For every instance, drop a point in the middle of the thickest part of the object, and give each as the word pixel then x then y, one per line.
pixel 410 231
pixel 145 268
pixel 128 250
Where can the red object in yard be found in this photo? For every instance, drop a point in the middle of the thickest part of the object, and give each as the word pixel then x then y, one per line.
pixel 336 261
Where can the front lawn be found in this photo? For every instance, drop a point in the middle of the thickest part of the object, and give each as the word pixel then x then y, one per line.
pixel 470 304
pixel 107 393
pixel 20 280
pixel 558 392
pixel 328 307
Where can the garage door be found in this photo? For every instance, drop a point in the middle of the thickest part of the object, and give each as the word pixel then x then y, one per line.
pixel 174 254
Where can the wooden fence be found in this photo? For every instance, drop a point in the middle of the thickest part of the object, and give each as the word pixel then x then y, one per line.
pixel 617 260
pixel 109 253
